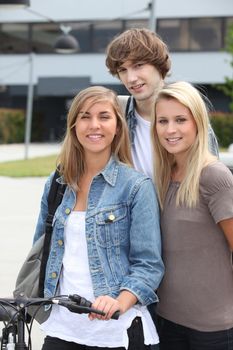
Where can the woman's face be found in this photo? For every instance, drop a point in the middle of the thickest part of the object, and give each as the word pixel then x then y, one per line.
pixel 96 127
pixel 175 126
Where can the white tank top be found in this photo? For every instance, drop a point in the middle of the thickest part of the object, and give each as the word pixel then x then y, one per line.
pixel 76 279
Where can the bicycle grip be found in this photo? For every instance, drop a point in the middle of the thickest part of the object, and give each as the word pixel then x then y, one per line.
pixel 84 302
pixel 116 315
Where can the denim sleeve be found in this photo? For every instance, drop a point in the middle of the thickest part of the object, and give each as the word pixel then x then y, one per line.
pixel 146 266
pixel 40 226
pixel 212 142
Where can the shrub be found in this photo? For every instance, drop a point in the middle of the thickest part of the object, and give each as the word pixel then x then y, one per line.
pixel 12 123
pixel 222 124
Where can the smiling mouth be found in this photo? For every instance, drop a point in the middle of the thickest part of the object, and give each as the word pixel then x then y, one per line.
pixel 136 87
pixel 94 137
pixel 173 140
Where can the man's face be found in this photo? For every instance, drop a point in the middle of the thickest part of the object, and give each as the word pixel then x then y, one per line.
pixel 142 80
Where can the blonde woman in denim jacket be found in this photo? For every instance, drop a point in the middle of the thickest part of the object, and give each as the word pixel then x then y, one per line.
pixel 106 233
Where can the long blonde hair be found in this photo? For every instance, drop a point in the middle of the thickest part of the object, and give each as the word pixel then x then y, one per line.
pixel 199 155
pixel 71 160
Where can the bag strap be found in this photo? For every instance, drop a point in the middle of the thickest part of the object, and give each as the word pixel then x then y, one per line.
pixel 55 196
pixel 124 102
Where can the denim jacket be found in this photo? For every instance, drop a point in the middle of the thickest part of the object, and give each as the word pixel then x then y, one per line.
pixel 132 123
pixel 122 233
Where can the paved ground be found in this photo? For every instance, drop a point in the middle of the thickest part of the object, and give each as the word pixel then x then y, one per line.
pixel 19 207
pixel 17 151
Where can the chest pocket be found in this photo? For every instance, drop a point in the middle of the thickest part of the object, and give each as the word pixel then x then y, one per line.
pixel 112 227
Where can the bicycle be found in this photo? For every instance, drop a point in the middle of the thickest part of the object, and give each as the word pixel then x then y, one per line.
pixel 13 312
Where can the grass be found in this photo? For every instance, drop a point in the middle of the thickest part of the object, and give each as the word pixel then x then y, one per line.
pixel 41 166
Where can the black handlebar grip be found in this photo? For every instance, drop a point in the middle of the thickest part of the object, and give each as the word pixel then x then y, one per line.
pixel 86 303
pixel 116 315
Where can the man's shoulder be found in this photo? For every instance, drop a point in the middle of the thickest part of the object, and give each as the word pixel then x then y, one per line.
pixel 124 102
pixel 127 103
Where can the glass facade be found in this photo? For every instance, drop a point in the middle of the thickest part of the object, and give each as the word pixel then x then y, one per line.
pixel 43 37
pixel 14 38
pixel 206 34
pixel 192 34
pixel 175 33
pixel 103 32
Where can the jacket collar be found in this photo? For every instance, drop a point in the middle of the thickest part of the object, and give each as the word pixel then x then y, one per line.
pixel 110 171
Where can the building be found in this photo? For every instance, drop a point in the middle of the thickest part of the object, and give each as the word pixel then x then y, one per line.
pixel 194 31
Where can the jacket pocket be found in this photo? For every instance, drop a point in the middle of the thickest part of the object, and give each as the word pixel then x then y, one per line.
pixel 112 226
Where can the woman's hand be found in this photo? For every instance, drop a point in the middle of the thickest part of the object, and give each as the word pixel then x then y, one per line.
pixel 106 304
pixel 109 305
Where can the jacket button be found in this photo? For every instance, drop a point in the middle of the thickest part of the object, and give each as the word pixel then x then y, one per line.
pixel 111 217
pixel 54 274
pixel 60 242
pixel 67 211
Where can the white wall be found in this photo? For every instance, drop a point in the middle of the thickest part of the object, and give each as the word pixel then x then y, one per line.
pixel 77 9
pixel 110 9
pixel 194 8
pixel 201 67
pixel 194 67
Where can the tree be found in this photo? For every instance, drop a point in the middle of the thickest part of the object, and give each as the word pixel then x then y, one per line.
pixel 227 87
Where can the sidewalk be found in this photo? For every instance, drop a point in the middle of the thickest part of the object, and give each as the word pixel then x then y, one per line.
pixel 17 151
pixel 19 208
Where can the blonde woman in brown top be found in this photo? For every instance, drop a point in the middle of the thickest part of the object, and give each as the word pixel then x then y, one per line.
pixel 195 191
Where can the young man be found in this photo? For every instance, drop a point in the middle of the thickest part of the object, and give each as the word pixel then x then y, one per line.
pixel 140 59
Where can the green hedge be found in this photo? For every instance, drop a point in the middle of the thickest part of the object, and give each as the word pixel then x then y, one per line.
pixel 12 126
pixel 222 124
pixel 12 123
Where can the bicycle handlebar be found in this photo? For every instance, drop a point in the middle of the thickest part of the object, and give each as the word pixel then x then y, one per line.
pixel 73 303
pixel 13 312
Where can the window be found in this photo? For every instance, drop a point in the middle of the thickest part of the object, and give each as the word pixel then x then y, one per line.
pixel 44 36
pixel 14 38
pixel 103 33
pixel 180 34
pixel 82 32
pixel 174 32
pixel 205 34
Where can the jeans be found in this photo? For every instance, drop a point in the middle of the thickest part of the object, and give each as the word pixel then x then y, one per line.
pixel 176 337
pixel 135 333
